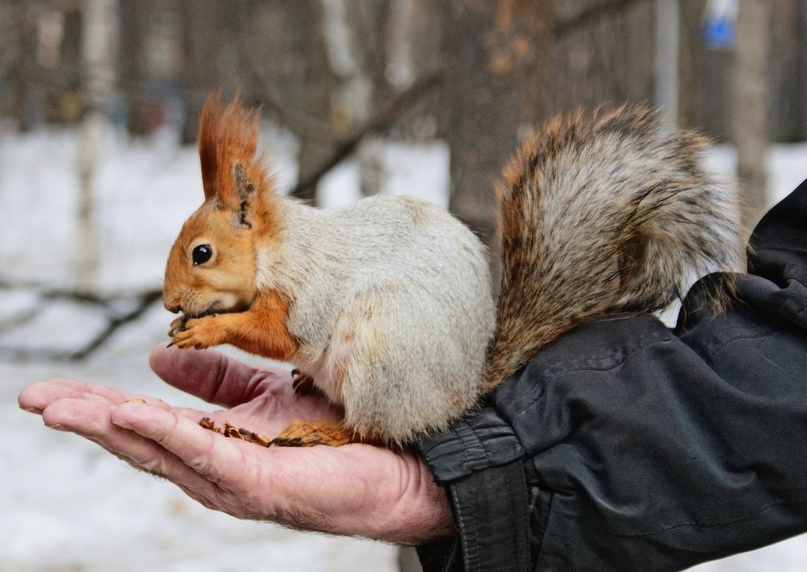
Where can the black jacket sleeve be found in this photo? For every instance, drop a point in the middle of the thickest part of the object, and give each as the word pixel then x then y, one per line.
pixel 627 446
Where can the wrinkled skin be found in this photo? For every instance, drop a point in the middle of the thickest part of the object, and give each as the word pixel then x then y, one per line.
pixel 354 490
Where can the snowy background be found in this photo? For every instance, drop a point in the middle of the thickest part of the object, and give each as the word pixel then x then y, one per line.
pixel 64 503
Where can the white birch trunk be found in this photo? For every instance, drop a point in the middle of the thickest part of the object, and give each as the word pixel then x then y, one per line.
pixel 99 38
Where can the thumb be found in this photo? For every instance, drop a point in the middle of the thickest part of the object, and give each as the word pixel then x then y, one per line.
pixel 207 374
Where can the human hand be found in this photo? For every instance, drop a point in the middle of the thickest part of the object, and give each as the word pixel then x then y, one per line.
pixel 356 489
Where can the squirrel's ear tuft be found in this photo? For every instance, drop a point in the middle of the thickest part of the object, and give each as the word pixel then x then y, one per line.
pixel 209 123
pixel 243 184
pixel 228 139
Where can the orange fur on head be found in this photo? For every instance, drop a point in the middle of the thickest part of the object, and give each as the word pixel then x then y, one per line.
pixel 232 176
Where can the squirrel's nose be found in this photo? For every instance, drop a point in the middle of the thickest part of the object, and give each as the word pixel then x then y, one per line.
pixel 172 300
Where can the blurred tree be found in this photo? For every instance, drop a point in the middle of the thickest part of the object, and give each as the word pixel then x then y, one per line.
pixel 797 70
pixel 495 56
pixel 705 70
pixel 327 83
pixel 134 17
pixel 284 56
pixel 788 55
pixel 667 42
pixel 25 83
pixel 99 33
pixel 603 55
pixel 40 69
pixel 691 63
pixel 413 41
pixel 751 112
pixel 355 40
pixel 8 56
pixel 413 53
pixel 202 39
pixel 315 96
pixel 707 73
pixel 511 63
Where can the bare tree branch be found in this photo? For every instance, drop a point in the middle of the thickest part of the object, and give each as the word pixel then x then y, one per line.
pixel 115 320
pixel 381 121
pixel 145 301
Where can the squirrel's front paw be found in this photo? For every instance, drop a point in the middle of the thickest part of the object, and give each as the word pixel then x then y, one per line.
pixel 177 325
pixel 196 333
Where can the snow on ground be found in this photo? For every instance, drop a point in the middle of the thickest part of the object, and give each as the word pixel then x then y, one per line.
pixel 67 505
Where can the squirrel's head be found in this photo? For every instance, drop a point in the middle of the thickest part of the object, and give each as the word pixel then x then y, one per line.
pixel 211 267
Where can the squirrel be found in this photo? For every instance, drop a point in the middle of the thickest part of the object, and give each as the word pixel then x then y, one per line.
pixel 386 306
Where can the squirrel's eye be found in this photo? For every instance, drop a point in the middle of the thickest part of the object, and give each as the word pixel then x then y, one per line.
pixel 202 254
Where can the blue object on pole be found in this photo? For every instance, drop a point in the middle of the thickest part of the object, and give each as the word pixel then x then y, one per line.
pixel 719 23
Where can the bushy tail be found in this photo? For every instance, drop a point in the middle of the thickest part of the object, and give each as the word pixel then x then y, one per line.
pixel 601 215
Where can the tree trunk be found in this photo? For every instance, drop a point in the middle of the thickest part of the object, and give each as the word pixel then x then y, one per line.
pixel 496 53
pixel 690 63
pixel 134 15
pixel 319 82
pixel 667 56
pixel 201 38
pixel 28 100
pixel 751 104
pixel 800 65
pixel 99 23
pixel 602 55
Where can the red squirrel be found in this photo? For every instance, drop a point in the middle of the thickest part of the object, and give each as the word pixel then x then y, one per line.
pixel 386 306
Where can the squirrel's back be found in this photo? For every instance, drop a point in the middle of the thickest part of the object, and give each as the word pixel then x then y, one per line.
pixel 601 215
pixel 391 301
pixel 390 240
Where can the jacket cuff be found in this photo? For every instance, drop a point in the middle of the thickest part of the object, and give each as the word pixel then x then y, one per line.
pixel 480 463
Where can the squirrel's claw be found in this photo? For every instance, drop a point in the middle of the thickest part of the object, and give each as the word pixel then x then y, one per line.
pixel 177 325
pixel 302 383
pixel 196 333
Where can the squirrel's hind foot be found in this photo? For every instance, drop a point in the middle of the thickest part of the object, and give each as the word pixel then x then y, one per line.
pixel 323 432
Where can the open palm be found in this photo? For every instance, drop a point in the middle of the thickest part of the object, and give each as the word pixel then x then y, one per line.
pixel 356 489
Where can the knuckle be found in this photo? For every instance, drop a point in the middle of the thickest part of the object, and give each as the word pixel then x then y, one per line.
pixel 154 466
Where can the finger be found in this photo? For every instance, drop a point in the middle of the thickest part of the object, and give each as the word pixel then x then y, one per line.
pixel 102 392
pixel 94 422
pixel 36 397
pixel 240 478
pixel 354 490
pixel 211 375
pixel 201 452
